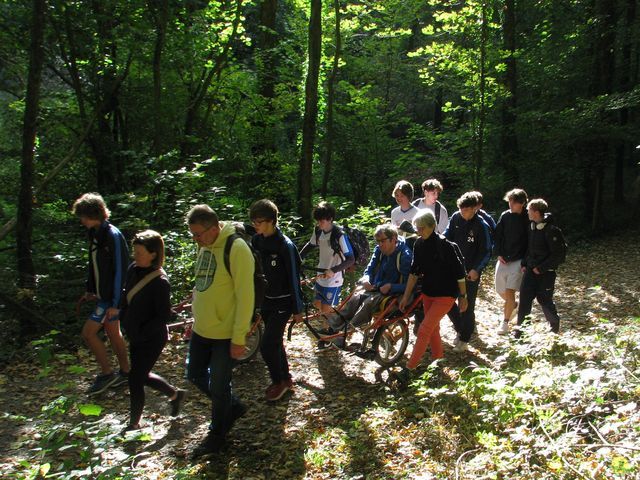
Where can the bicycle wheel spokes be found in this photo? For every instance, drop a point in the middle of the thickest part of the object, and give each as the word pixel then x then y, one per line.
pixel 390 343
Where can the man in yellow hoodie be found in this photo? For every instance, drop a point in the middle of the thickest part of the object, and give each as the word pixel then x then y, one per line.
pixel 222 309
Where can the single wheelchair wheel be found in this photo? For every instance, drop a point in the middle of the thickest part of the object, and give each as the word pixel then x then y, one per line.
pixel 253 339
pixel 390 343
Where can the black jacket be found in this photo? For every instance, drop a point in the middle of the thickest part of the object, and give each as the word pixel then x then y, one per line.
pixel 281 266
pixel 511 237
pixel 439 264
pixel 545 245
pixel 147 316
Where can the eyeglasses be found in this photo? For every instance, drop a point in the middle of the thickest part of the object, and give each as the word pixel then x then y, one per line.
pixel 382 240
pixel 197 235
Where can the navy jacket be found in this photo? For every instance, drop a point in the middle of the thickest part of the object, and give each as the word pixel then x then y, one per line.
pixel 473 239
pixel 108 261
pixel 281 266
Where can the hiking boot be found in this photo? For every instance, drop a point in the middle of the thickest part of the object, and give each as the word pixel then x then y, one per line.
pixel 504 328
pixel 176 403
pixel 277 392
pixel 122 378
pixel 101 383
pixel 461 347
pixel 212 443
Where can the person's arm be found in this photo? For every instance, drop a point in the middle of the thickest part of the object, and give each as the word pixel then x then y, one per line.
pixel 483 249
pixel 403 273
pixel 347 255
pixel 411 284
pixel 498 237
pixel 443 222
pixel 448 231
pixel 120 260
pixel 554 242
pixel 162 297
pixel 242 269
pixel 292 261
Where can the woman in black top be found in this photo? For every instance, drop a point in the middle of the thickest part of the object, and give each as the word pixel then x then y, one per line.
pixel 439 265
pixel 145 310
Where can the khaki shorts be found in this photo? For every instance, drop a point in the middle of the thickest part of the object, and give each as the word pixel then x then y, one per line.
pixel 508 276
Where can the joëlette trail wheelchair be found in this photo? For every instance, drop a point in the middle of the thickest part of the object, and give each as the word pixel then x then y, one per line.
pixel 384 339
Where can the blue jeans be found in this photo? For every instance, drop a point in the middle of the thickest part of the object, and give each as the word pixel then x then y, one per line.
pixel 209 369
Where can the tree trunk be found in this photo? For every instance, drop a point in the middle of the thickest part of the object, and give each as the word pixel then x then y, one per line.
pixel 161 18
pixel 623 148
pixel 602 83
pixel 509 138
pixel 26 268
pixel 479 133
pixel 310 111
pixel 331 87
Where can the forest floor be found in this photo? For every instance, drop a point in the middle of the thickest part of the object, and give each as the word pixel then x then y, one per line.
pixel 338 422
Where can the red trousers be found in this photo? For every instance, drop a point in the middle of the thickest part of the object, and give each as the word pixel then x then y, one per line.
pixel 429 332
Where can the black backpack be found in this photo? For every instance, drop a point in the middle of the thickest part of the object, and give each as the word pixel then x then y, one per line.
pixel 356 238
pixel 259 278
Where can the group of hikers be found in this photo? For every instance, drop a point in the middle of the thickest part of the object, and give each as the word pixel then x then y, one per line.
pixel 421 250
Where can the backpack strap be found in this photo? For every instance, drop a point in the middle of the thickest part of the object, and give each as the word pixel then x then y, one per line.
pixel 143 283
pixel 437 208
pixel 416 202
pixel 227 250
pixel 334 240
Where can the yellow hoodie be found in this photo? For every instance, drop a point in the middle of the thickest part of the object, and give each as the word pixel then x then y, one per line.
pixel 223 303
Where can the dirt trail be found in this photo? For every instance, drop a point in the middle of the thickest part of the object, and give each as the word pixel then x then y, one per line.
pixel 331 388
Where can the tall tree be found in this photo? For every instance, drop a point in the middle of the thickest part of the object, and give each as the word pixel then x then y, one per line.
pixel 160 14
pixel 331 94
pixel 509 138
pixel 26 268
pixel 305 171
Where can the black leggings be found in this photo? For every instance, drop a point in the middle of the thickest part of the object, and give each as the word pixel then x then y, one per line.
pixel 143 358
pixel 272 347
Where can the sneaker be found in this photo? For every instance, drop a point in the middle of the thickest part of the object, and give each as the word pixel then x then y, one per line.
pixel 101 383
pixel 338 342
pixel 555 328
pixel 122 378
pixel 517 332
pixel 211 444
pixel 461 347
pixel 322 345
pixel 504 328
pixel 277 392
pixel 176 403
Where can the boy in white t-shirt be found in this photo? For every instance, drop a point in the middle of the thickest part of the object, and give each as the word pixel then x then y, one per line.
pixel 403 193
pixel 335 255
pixel 432 189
